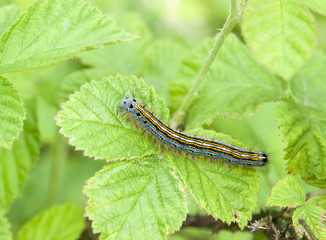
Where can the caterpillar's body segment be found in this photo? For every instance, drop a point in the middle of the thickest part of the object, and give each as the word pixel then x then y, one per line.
pixel 210 148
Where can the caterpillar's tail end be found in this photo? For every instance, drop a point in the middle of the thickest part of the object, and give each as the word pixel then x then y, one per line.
pixel 264 159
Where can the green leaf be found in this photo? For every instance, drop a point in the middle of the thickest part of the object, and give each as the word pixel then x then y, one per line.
pixel 317 5
pixel 235 85
pixel 161 63
pixel 313 216
pixel 5 233
pixel 281 33
pixel 8 15
pixel 16 163
pixel 287 193
pixel 122 58
pixel 136 200
pixel 229 235
pixel 95 123
pixel 52 31
pixel 303 121
pixel 200 233
pixel 11 113
pixel 73 81
pixel 64 222
pixel 321 200
pixel 226 192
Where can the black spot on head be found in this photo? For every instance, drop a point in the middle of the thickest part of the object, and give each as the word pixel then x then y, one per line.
pixel 131 106
pixel 265 159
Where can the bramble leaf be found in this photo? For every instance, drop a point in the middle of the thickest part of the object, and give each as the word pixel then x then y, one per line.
pixel 5 233
pixel 11 113
pixel 317 5
pixel 302 119
pixel 227 193
pixel 122 58
pixel 136 200
pixel 286 193
pixel 8 15
pixel 281 34
pixel 76 26
pixel 64 222
pixel 161 63
pixel 95 123
pixel 16 163
pixel 235 84
pixel 313 216
pixel 73 81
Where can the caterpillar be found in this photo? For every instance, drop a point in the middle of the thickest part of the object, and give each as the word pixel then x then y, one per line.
pixel 210 148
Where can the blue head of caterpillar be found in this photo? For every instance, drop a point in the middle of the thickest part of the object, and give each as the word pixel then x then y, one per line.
pixel 128 104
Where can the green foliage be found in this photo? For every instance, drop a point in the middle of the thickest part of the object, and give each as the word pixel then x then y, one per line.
pixel 5 233
pixel 139 200
pixel 29 43
pixel 11 113
pixel 16 163
pixel 73 81
pixel 203 233
pixel 233 235
pixel 317 5
pixel 235 84
pixel 302 120
pixel 64 222
pixel 287 193
pixel 122 58
pixel 161 63
pixel 281 34
pixel 141 193
pixel 9 14
pixel 313 215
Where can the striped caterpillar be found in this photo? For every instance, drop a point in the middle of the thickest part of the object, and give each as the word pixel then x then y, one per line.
pixel 210 148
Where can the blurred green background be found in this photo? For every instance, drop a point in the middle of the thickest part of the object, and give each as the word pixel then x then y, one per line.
pixel 61 172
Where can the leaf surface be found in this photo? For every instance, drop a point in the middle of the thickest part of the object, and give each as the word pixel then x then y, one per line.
pixel 73 81
pixel 5 233
pixel 317 5
pixel 53 31
pixel 8 15
pixel 287 193
pixel 124 58
pixel 302 118
pixel 11 113
pixel 234 86
pixel 136 200
pixel 161 63
pixel 313 216
pixel 64 222
pixel 16 163
pixel 281 33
